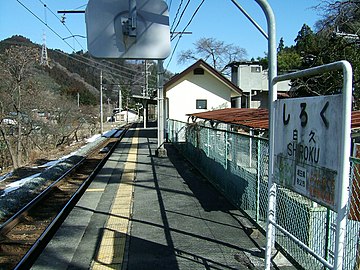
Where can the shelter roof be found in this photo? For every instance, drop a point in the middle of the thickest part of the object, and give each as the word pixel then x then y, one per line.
pixel 253 118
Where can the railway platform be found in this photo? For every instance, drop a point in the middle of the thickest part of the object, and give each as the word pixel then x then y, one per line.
pixel 146 212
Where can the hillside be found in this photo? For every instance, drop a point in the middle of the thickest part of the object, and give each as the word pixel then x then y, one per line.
pixel 79 73
pixel 46 108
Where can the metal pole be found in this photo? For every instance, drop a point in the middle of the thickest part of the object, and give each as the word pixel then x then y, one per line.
pixel 101 104
pixel 272 55
pixel 343 184
pixel 271 36
pixel 258 164
pixel 250 146
pixel 344 169
pixel 145 91
pixel 160 101
pixel 132 17
pixel 145 112
pixel 120 99
pixel 127 110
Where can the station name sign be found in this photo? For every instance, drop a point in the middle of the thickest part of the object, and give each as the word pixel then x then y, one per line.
pixel 307 147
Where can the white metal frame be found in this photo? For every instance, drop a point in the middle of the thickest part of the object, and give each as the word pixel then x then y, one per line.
pixel 343 183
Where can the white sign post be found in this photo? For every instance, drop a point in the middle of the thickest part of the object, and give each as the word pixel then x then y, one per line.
pixel 311 150
pixel 307 146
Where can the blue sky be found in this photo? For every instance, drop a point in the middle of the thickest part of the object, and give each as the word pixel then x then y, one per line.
pixel 218 19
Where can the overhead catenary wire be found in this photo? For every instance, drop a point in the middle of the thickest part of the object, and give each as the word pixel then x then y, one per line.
pixel 181 16
pixel 37 17
pixel 191 19
pixel 62 22
pixel 72 35
pixel 99 66
pixel 177 13
pixel 179 34
pixel 88 59
pixel 173 52
pixel 80 6
pixel 127 72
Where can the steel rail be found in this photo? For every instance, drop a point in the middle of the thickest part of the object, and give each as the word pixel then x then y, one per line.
pixel 29 258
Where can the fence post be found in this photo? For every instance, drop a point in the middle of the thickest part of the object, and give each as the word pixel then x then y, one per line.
pixel 208 142
pixel 258 181
pixel 226 150
pixel 250 147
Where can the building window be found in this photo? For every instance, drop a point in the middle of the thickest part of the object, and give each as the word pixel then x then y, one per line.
pixel 255 69
pixel 201 104
pixel 198 71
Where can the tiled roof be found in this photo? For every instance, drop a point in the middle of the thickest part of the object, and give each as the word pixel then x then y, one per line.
pixel 201 63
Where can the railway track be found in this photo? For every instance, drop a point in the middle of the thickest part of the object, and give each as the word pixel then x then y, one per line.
pixel 24 235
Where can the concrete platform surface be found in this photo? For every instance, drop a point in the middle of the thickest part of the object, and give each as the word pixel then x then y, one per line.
pixel 176 220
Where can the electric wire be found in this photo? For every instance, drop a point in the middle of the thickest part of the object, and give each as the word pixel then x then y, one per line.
pixel 181 16
pixel 111 63
pixel 37 17
pixel 88 59
pixel 99 66
pixel 191 19
pixel 95 65
pixel 63 23
pixel 177 13
pixel 180 35
pixel 80 7
pixel 126 71
pixel 173 52
pixel 126 74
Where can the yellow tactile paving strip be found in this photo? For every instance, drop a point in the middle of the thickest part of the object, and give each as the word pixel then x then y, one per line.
pixel 95 190
pixel 111 252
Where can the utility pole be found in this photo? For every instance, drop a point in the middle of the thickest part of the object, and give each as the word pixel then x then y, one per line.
pixel 145 92
pixel 161 151
pixel 120 98
pixel 101 104
pixel 109 105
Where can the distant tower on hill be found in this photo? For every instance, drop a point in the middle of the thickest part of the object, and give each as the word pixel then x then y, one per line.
pixel 44 57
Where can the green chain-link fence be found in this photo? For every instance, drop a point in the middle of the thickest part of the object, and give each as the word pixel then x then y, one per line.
pixel 237 165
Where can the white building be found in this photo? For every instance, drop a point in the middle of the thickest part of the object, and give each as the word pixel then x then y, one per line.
pixel 198 88
pixel 253 81
pixel 129 116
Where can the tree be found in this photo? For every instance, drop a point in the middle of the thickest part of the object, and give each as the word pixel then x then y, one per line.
pixel 16 64
pixel 305 41
pixel 340 16
pixel 35 116
pixel 214 52
pixel 281 45
pixel 337 38
pixel 288 59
